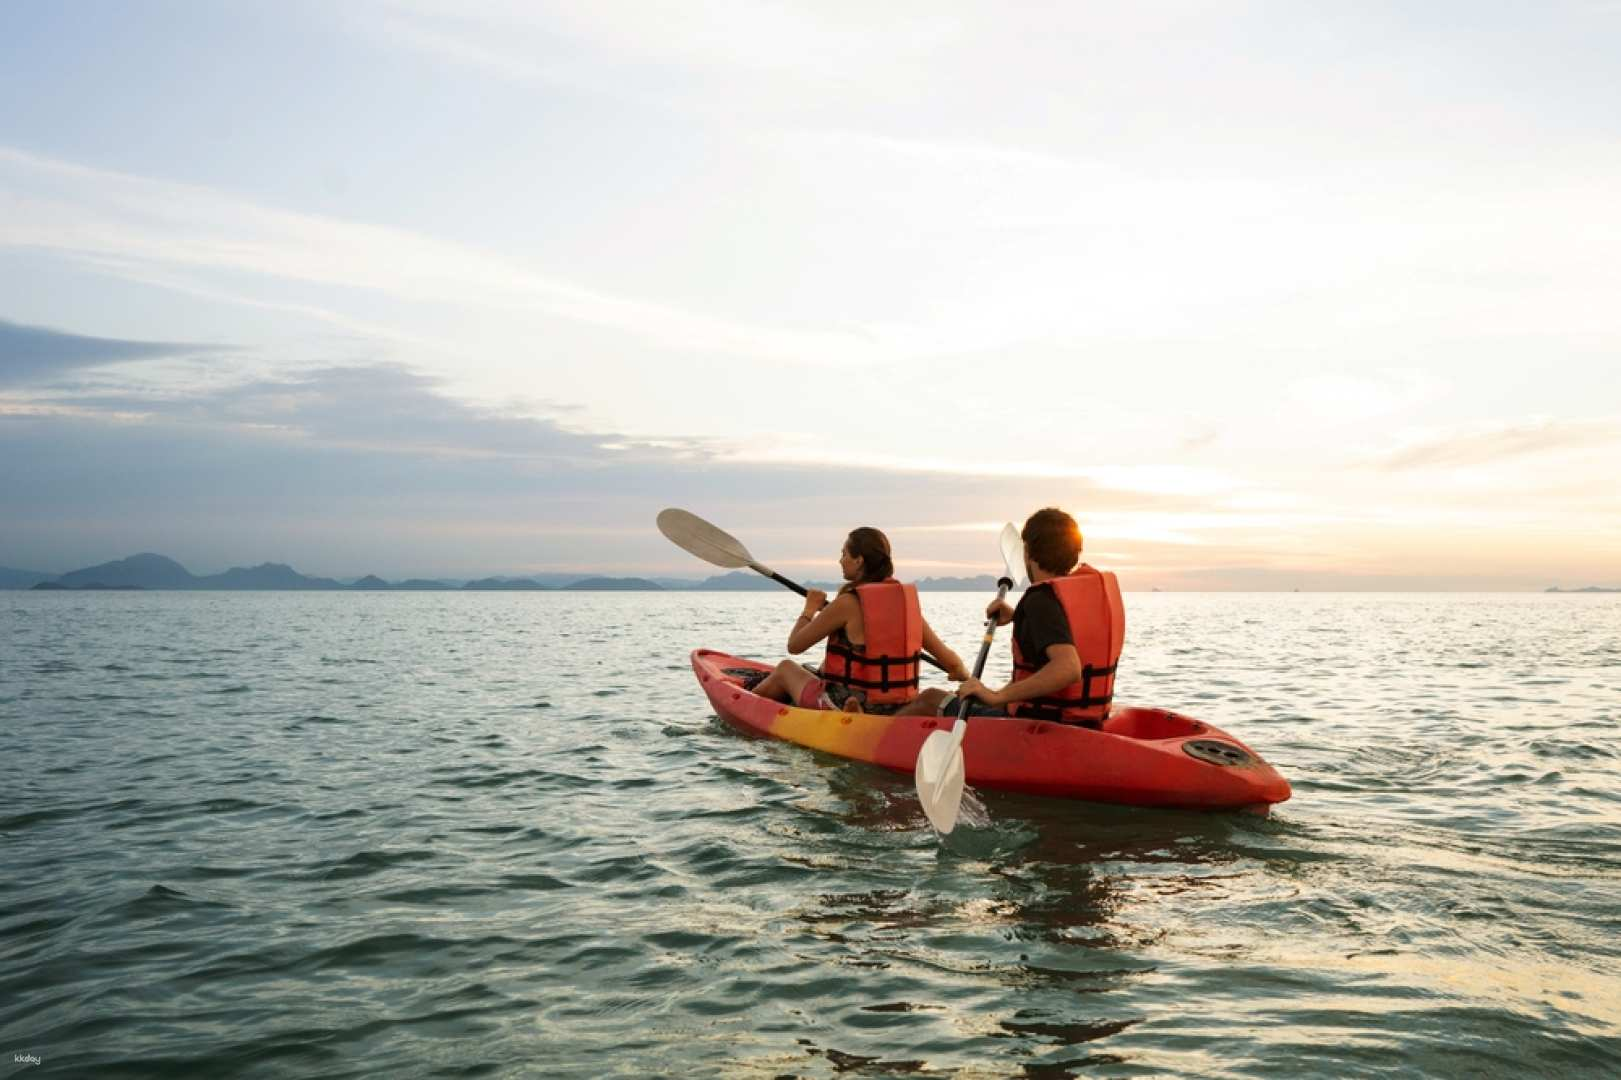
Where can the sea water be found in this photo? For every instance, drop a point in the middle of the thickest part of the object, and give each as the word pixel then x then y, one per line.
pixel 487 834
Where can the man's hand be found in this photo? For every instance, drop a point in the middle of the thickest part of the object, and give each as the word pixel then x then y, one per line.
pixel 973 688
pixel 1001 611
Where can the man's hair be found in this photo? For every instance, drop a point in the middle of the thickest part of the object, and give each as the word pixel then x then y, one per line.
pixel 1052 540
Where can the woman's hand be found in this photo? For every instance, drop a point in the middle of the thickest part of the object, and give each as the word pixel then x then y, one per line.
pixel 958 674
pixel 815 600
pixel 1001 611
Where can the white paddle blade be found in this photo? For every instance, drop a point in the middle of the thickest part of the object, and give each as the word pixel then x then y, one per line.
pixel 1013 554
pixel 694 535
pixel 940 778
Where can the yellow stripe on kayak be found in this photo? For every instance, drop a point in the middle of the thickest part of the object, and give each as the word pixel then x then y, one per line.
pixel 853 735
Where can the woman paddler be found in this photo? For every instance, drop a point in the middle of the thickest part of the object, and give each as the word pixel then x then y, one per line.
pixel 875 633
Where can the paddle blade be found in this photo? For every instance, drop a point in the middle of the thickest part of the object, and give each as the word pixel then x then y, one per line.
pixel 940 778
pixel 694 535
pixel 1013 554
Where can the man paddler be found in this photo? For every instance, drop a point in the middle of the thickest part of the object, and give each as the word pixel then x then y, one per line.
pixel 1067 633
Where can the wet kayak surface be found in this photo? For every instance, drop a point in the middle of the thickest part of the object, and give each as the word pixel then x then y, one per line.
pixel 504 834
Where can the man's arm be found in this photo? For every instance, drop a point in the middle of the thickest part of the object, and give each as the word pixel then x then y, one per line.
pixel 1062 668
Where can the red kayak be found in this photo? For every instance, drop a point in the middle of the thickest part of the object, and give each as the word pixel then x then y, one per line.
pixel 1141 757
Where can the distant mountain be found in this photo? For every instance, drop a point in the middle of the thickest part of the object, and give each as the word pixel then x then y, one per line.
pixel 739 581
pixel 520 583
pixel 264 576
pixel 981 583
pixel 147 570
pixel 614 583
pixel 674 584
pixel 21 579
pixel 1584 589
pixel 94 586
pixel 373 582
pixel 547 580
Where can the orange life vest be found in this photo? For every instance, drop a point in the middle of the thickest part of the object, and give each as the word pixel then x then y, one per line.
pixel 1097 623
pixel 885 669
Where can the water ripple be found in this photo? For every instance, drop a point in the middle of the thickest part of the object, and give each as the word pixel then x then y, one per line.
pixel 502 835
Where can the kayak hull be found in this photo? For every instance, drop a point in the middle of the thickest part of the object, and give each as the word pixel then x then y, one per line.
pixel 1142 757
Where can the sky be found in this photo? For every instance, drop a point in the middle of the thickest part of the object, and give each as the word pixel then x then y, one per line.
pixel 1268 295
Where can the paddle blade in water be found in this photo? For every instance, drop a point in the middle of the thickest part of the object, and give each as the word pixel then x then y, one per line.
pixel 696 536
pixel 939 776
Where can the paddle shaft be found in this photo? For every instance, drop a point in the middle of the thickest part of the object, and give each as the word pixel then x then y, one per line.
pixel 802 591
pixel 779 579
pixel 1002 587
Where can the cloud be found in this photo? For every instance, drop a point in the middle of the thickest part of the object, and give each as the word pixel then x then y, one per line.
pixel 1503 442
pixel 29 354
pixel 377 468
pixel 813 47
pixel 140 227
pixel 348 470
pixel 380 407
pixel 1335 398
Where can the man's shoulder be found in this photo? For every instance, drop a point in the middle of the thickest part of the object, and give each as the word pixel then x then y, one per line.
pixel 1040 613
pixel 1041 620
pixel 1039 596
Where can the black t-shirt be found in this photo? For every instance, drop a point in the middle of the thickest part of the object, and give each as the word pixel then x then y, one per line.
pixel 1038 624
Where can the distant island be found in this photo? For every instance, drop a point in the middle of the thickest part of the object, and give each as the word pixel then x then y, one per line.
pixel 149 571
pixel 738 581
pixel 615 583
pixel 510 583
pixel 52 586
pixel 152 571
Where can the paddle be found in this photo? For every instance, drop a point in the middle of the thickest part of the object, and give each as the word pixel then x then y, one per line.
pixel 939 772
pixel 694 535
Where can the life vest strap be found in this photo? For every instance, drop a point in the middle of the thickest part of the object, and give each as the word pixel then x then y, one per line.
pixel 1085 700
pixel 853 656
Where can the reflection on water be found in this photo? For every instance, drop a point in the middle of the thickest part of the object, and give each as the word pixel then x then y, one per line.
pixel 503 835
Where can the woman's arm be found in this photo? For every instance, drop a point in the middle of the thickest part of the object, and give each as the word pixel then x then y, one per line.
pixel 938 649
pixel 813 625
